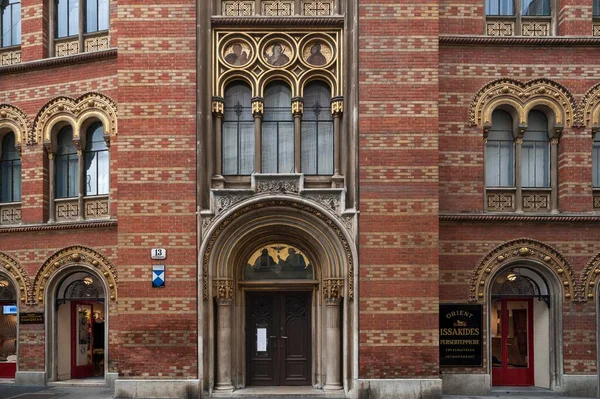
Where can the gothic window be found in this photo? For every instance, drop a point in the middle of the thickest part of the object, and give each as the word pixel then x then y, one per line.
pixel 96 161
pixel 277 143
pixel 238 131
pixel 66 164
pixel 535 170
pixel 10 170
pixel 10 22
pixel 317 130
pixel 500 149
pixel 518 17
pixel 94 14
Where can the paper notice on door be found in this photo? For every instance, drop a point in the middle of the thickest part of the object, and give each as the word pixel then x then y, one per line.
pixel 261 339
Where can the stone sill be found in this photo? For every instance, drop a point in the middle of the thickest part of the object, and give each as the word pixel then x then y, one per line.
pixel 60 61
pixel 26 228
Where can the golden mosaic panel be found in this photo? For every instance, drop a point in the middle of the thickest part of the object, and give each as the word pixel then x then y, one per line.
pixel 259 56
pixel 238 8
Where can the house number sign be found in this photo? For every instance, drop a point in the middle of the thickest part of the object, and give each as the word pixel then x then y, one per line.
pixel 158 253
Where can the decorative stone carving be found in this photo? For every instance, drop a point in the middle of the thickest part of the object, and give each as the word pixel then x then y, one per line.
pixel 10 57
pixel 277 8
pixel 88 105
pixel 521 250
pixel 297 107
pixel 75 255
pixel 596 30
pixel 277 184
pixel 317 8
pixel 535 28
pixel 223 289
pixel 62 49
pixel 500 201
pixel 67 210
pixel 590 278
pixel 14 119
pixel 536 202
pixel 588 110
pixel 333 288
pixel 337 106
pixel 96 208
pixel 329 200
pixel 500 28
pixel 522 97
pixel 596 201
pixel 10 214
pixel 258 107
pixel 238 8
pixel 13 269
pixel 97 43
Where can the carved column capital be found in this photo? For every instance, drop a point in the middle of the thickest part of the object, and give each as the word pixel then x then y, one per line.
pixel 258 106
pixel 337 106
pixel 554 141
pixel 218 107
pixel 333 290
pixel 297 106
pixel 519 140
pixel 223 290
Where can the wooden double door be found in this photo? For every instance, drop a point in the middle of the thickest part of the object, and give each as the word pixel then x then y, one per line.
pixel 278 331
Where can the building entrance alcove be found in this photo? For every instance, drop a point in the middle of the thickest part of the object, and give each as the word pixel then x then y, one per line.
pixel 8 328
pixel 278 309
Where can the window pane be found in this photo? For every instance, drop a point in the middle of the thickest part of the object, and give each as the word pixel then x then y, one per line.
pixel 286 147
pixel 507 178
pixel 62 18
pixel 66 165
pixel 596 164
pixel 499 162
pixel 6 26
pixel 91 15
pixel 247 150
pixel 535 7
pixel 326 148
pixel 230 146
pixel 596 8
pixel 499 7
pixel 16 23
pixel 278 130
pixel 536 152
pixel 91 173
pixel 238 131
pixel 308 160
pixel 73 17
pixel 103 14
pixel 317 126
pixel 269 147
pixel 103 172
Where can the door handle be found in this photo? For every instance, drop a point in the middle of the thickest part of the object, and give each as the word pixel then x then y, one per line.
pixel 284 337
pixel 272 336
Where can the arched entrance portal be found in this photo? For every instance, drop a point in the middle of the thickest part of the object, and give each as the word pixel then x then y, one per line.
pixel 79 326
pixel 520 329
pixel 278 303
pixel 8 328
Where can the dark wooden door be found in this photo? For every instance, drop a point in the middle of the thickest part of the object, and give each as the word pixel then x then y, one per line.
pixel 278 334
pixel 514 361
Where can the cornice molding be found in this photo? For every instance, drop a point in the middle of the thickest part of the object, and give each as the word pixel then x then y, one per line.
pixel 477 217
pixel 520 41
pixel 60 61
pixel 277 21
pixel 58 226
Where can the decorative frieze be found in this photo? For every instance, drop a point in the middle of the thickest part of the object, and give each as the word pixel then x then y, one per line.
pixel 96 43
pixel 10 214
pixel 62 49
pixel 596 30
pixel 500 28
pixel 535 28
pixel 66 210
pixel 10 57
pixel 96 208
pixel 317 8
pixel 535 201
pixel 238 8
pixel 278 8
pixel 597 201
pixel 500 201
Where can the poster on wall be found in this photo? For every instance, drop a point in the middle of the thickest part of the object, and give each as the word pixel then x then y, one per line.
pixel 461 335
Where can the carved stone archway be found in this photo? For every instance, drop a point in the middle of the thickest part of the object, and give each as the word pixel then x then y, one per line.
pixel 14 119
pixel 590 278
pixel 588 110
pixel 18 275
pixel 229 241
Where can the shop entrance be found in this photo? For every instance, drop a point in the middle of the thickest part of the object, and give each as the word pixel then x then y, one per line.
pixel 80 327
pixel 8 329
pixel 512 344
pixel 278 338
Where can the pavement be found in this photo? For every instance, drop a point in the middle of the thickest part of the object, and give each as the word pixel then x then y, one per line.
pixel 11 391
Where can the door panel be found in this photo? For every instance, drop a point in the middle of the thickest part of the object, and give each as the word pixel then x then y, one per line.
pixel 82 340
pixel 514 343
pixel 278 338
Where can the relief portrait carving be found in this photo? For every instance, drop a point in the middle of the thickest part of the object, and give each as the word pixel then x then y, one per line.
pixel 317 53
pixel 238 54
pixel 278 54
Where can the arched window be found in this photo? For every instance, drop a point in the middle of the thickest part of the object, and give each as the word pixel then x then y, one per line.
pixel 10 166
pixel 277 151
pixel 66 165
pixel 238 131
pixel 96 161
pixel 596 161
pixel 535 166
pixel 500 149
pixel 317 130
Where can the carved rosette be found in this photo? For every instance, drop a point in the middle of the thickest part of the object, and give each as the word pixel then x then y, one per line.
pixel 590 278
pixel 89 105
pixel 14 119
pixel 72 256
pixel 522 97
pixel 223 290
pixel 12 268
pixel 588 110
pixel 333 290
pixel 521 250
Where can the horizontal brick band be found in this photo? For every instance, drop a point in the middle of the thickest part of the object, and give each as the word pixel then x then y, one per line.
pixel 65 226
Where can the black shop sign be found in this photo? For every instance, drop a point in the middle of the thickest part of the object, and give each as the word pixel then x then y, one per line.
pixel 461 335
pixel 31 318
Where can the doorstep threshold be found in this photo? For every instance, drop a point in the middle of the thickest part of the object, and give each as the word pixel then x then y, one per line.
pixel 278 392
pixel 522 391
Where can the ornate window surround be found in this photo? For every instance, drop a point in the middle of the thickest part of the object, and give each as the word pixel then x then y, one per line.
pixel 588 116
pixel 277 8
pixel 257 73
pixel 82 43
pixel 522 25
pixel 79 113
pixel 13 120
pixel 519 99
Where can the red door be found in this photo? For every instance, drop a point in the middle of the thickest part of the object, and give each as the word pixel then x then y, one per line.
pixel 82 340
pixel 512 342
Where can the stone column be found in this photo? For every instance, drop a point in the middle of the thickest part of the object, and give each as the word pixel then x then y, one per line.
pixel 297 111
pixel 518 163
pixel 224 293
pixel 215 144
pixel 258 108
pixel 337 109
pixel 333 371
pixel 51 186
pixel 554 173
pixel 82 183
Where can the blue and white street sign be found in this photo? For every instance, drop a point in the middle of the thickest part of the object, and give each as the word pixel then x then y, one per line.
pixel 158 276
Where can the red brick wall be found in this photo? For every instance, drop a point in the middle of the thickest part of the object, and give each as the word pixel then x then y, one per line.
pixel 398 87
